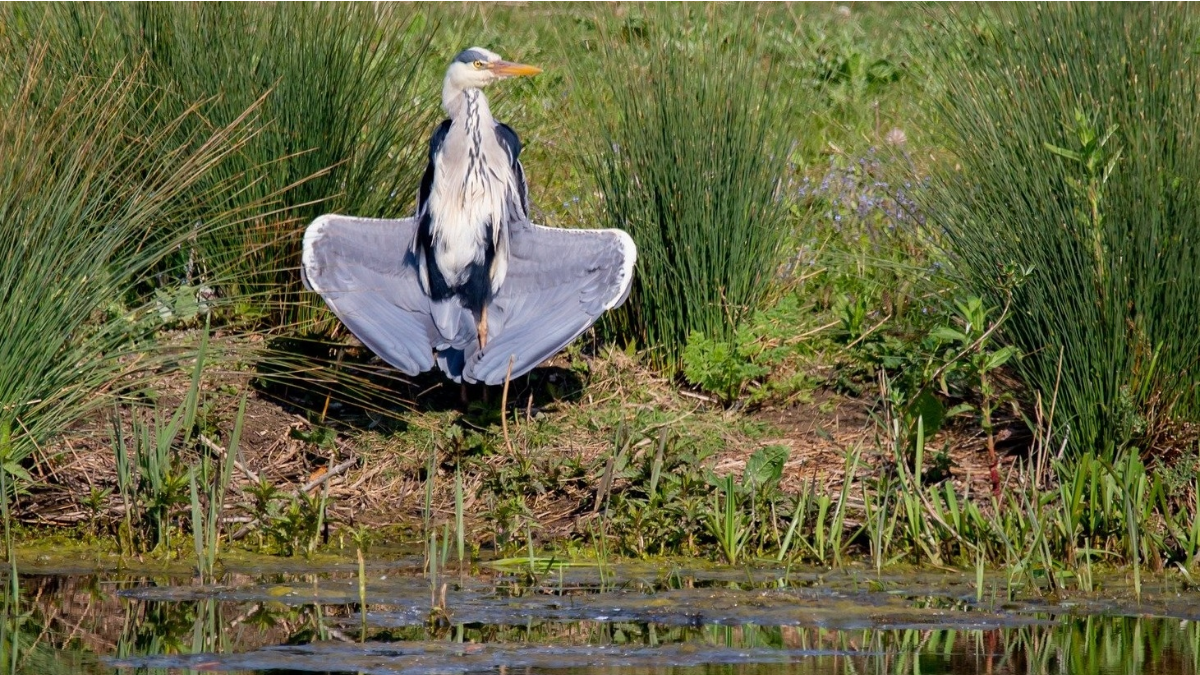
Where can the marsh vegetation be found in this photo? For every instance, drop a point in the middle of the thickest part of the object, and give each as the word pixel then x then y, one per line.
pixel 916 288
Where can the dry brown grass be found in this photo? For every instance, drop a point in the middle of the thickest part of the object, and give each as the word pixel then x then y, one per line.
pixel 384 486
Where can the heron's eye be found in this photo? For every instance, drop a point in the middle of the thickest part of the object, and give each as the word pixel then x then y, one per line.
pixel 479 65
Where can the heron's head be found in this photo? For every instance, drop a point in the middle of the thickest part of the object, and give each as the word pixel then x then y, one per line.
pixel 477 67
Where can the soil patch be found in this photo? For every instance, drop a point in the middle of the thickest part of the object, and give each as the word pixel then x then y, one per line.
pixel 560 434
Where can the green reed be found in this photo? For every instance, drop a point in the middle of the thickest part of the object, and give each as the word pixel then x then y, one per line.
pixel 1073 157
pixel 78 199
pixel 341 126
pixel 689 163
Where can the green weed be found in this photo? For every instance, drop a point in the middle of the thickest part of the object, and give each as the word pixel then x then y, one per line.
pixel 215 478
pixel 296 525
pixel 764 361
pixel 727 522
pixel 152 477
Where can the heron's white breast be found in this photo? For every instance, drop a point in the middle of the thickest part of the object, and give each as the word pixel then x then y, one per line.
pixel 471 192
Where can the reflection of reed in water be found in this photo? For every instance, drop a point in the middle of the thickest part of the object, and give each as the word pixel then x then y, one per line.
pixel 60 623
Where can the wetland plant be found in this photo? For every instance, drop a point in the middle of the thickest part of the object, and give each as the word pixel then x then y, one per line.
pixel 214 477
pixel 459 527
pixel 1070 129
pixel 689 165
pixel 338 130
pixel 152 477
pixel 156 482
pixel 78 198
pixel 362 541
pixel 296 524
pixel 9 551
pixel 727 523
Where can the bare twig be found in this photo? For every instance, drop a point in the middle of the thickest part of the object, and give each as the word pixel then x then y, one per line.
pixel 304 489
pixel 874 328
pixel 208 443
pixel 809 333
pixel 504 404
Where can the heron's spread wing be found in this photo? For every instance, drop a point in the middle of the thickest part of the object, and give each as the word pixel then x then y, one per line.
pixel 559 282
pixel 365 271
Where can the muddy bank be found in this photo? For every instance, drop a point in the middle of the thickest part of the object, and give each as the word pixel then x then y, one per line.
pixel 371 465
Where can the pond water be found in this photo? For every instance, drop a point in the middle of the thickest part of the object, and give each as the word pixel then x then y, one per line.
pixel 293 617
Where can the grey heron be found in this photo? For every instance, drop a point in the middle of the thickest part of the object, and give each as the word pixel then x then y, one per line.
pixel 468 282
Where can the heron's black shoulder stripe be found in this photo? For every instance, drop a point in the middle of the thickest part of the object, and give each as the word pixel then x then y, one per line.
pixel 512 145
pixel 435 146
pixel 438 138
pixel 510 141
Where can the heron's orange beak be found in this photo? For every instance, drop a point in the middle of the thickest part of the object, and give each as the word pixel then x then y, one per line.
pixel 510 69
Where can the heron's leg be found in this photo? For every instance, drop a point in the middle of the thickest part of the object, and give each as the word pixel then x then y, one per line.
pixel 483 327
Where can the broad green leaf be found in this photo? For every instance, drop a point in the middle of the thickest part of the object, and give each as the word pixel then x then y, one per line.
pixel 947 334
pixel 999 357
pixel 765 465
pixel 929 408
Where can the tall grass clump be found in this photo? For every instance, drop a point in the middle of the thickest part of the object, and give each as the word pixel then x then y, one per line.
pixel 344 126
pixel 81 183
pixel 1074 156
pixel 689 164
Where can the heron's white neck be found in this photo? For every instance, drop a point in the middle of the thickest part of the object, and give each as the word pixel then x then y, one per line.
pixel 474 190
pixel 458 101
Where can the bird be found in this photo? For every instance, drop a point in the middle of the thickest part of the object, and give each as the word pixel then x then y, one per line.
pixel 468 283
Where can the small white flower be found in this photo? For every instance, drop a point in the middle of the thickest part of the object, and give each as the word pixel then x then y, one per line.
pixel 896 137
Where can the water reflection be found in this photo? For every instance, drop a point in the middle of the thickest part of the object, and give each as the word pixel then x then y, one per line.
pixel 634 621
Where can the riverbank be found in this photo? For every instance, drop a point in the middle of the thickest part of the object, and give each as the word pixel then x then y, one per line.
pixel 597 458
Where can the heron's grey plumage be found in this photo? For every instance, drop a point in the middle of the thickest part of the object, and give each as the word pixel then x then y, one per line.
pixel 470 261
pixel 560 282
pixel 372 287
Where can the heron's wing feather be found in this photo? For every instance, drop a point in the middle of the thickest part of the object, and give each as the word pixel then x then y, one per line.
pixel 559 282
pixel 454 323
pixel 366 272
